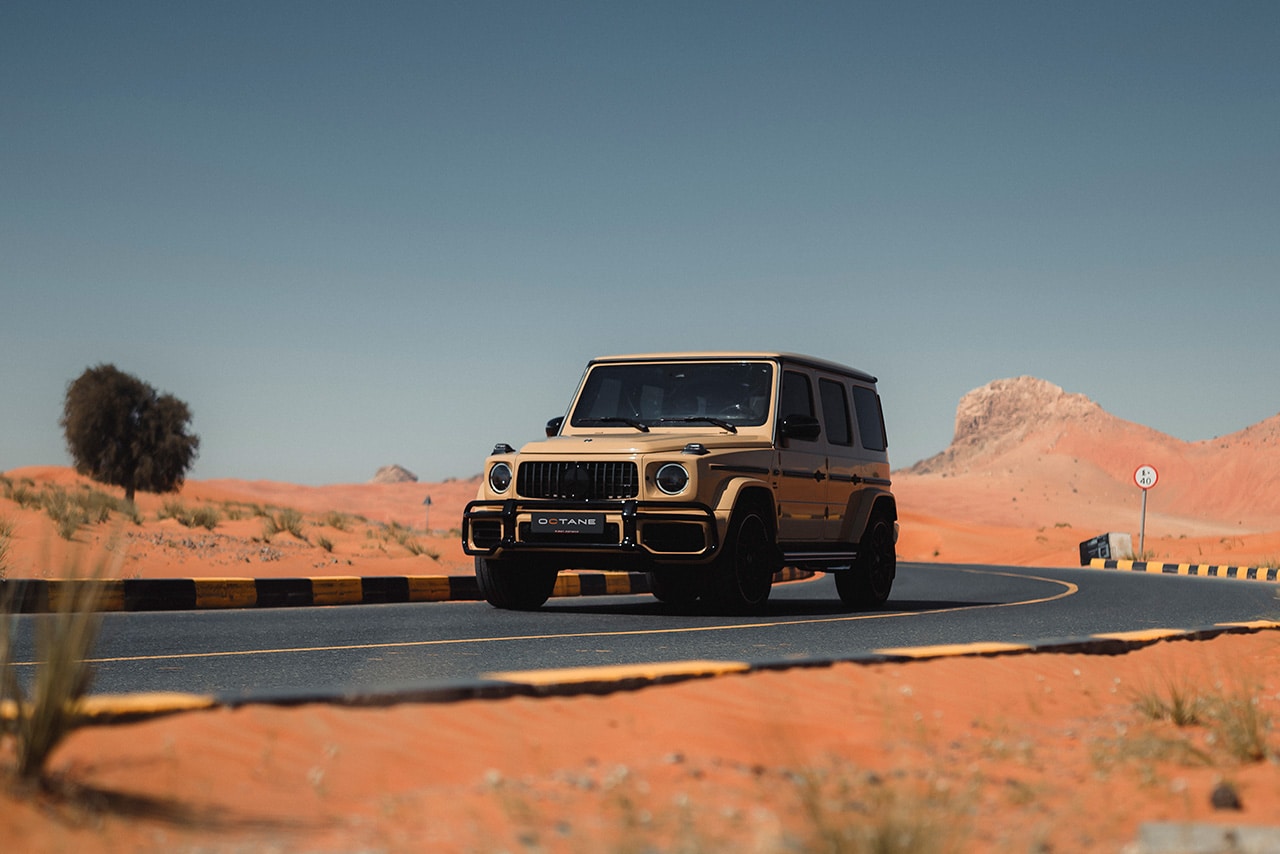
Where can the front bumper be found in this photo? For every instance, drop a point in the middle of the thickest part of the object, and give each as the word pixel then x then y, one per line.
pixel 657 530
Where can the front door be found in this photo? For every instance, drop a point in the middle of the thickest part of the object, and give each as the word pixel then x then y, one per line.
pixel 801 468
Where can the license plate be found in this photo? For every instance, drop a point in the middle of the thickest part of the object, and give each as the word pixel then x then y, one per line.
pixel 568 524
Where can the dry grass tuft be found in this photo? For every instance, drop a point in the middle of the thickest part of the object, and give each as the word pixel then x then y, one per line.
pixel 38 718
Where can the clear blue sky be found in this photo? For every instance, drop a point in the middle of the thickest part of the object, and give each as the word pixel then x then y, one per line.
pixel 356 234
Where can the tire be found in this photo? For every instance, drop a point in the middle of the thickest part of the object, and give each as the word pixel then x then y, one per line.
pixel 680 588
pixel 742 575
pixel 866 585
pixel 515 585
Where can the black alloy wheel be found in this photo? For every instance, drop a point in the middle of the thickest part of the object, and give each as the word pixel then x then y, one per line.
pixel 515 584
pixel 742 575
pixel 866 584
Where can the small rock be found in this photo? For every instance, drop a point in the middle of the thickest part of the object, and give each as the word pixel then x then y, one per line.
pixel 1225 797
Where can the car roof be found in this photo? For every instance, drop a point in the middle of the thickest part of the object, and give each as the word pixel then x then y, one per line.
pixel 774 356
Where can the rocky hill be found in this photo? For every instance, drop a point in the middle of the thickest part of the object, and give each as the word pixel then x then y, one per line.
pixel 394 474
pixel 1026 437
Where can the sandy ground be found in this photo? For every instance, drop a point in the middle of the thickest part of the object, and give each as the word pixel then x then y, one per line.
pixel 1019 753
pixel 1050 753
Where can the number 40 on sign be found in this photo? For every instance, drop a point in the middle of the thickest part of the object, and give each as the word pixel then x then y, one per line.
pixel 1146 477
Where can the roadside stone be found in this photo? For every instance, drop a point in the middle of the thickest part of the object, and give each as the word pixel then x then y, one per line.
pixel 1225 797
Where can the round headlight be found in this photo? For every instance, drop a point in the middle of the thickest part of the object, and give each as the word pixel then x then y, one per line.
pixel 672 478
pixel 500 477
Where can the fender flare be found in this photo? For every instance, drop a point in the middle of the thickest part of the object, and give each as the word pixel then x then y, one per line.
pixel 738 489
pixel 860 509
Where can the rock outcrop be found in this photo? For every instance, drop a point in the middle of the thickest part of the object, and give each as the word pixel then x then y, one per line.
pixel 1001 415
pixel 394 474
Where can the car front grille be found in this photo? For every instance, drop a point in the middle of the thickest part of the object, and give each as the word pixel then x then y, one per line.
pixel 578 481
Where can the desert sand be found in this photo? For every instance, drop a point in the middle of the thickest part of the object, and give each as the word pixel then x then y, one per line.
pixel 1049 752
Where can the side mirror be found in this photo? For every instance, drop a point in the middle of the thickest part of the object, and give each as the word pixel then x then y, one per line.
pixel 553 426
pixel 802 427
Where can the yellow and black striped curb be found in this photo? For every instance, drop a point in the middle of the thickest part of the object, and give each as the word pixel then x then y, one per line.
pixel 568 682
pixel 1247 573
pixel 183 594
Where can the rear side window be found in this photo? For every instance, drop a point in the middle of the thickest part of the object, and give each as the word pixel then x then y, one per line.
pixel 866 404
pixel 797 397
pixel 835 412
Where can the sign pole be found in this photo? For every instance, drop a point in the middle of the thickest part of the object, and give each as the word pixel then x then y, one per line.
pixel 1145 477
pixel 1142 530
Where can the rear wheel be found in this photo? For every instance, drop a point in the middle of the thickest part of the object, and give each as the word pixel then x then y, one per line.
pixel 515 585
pixel 742 575
pixel 867 583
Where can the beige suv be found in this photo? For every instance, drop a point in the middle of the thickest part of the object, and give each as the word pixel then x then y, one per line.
pixel 708 471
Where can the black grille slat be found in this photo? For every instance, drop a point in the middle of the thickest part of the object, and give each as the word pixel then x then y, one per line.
pixel 589 481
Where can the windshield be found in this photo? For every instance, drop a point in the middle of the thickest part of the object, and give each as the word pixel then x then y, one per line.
pixel 725 394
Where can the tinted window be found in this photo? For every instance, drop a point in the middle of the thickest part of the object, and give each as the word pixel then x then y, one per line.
pixel 835 412
pixel 797 397
pixel 675 393
pixel 866 403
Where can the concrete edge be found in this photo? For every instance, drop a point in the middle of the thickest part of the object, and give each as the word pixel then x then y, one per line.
pixel 37 595
pixel 1243 573
pixel 612 678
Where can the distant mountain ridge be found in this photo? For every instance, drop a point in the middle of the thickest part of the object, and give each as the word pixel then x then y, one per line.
pixel 1023 428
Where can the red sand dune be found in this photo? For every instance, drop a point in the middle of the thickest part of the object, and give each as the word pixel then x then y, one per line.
pixel 1032 472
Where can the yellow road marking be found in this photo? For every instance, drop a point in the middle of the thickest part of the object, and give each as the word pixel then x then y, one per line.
pixel 941 650
pixel 618 672
pixel 1142 635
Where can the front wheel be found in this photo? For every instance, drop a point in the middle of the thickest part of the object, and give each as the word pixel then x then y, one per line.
pixel 867 583
pixel 676 587
pixel 742 575
pixel 515 585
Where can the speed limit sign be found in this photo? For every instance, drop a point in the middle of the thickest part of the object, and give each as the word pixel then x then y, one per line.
pixel 1146 477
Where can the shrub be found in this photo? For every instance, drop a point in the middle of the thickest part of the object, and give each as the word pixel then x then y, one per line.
pixel 1241 726
pixel 1181 704
pixel 291 520
pixel 203 516
pixel 25 496
pixel 6 531
pixel 337 521
pixel 39 721
pixel 287 519
pixel 417 549
pixel 1238 724
pixel 67 516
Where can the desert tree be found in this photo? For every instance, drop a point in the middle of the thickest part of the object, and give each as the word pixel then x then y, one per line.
pixel 122 432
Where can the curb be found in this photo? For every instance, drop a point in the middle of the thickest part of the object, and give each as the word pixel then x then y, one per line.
pixel 1246 573
pixel 36 595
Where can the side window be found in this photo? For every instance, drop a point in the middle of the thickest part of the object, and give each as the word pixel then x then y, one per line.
pixel 866 403
pixel 835 412
pixel 797 397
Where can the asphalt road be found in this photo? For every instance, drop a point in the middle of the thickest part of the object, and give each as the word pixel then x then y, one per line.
pixel 274 652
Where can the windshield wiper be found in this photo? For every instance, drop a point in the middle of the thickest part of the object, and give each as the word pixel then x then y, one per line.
pixel 630 422
pixel 696 419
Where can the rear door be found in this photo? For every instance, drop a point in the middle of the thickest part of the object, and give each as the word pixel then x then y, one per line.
pixel 843 467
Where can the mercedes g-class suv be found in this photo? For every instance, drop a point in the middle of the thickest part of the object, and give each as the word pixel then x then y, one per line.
pixel 708 471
